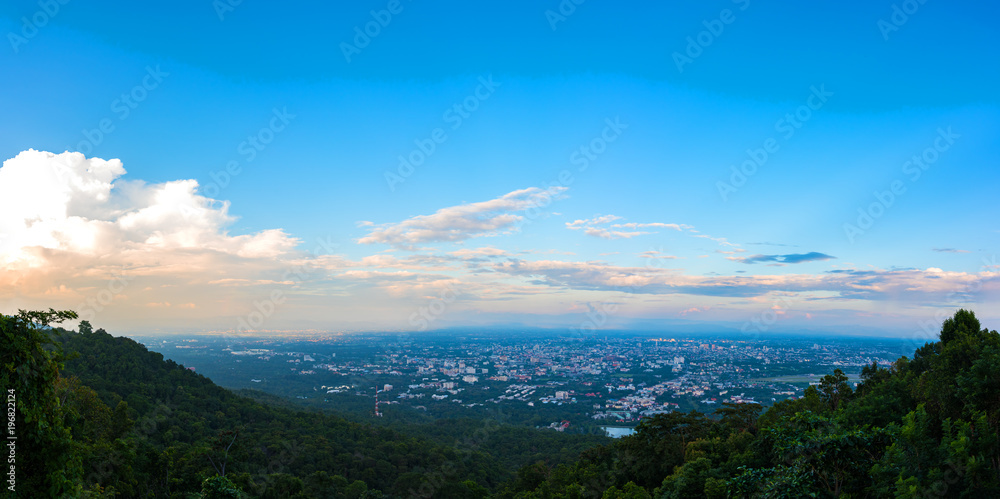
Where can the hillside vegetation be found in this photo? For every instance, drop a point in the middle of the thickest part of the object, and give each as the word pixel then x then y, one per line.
pixel 102 416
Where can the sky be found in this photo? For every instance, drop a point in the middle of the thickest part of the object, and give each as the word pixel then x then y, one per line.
pixel 760 167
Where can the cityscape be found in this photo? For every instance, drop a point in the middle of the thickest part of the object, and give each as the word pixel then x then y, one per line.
pixel 513 249
pixel 608 381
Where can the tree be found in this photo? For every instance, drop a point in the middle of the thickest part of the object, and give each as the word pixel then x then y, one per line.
pixel 658 446
pixel 688 481
pixel 629 491
pixel 834 390
pixel 944 363
pixel 963 323
pixel 220 487
pixel 872 376
pixel 29 371
pixel 223 443
pixel 740 417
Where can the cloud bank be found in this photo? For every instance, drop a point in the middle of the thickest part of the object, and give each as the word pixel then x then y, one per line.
pixel 75 233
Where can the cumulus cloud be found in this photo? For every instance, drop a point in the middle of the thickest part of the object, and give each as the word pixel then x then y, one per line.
pixel 68 203
pixel 74 222
pixel 812 256
pixel 458 223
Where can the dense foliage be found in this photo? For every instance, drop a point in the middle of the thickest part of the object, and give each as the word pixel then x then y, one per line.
pixel 117 420
pixel 102 416
pixel 922 427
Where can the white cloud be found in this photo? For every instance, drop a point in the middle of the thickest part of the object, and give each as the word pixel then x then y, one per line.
pixel 603 233
pixel 67 203
pixel 578 224
pixel 73 230
pixel 721 240
pixel 633 225
pixel 485 251
pixel 458 223
pixel 592 227
pixel 654 254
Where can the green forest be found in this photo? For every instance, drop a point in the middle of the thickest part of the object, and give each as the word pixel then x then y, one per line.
pixel 101 416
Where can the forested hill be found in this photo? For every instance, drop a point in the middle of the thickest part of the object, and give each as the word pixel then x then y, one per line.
pixel 923 427
pixel 101 416
pixel 123 422
pixel 183 424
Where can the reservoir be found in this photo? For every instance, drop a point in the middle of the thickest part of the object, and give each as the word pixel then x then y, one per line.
pixel 618 431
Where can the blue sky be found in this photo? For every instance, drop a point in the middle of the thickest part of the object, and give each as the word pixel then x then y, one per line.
pixel 588 166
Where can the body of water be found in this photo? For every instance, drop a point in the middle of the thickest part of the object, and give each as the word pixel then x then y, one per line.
pixel 618 431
